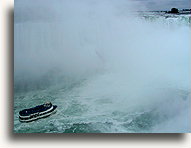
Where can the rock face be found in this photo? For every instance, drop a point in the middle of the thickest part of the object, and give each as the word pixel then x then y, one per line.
pixel 174 10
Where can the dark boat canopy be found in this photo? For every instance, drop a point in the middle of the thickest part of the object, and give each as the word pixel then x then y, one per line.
pixel 39 108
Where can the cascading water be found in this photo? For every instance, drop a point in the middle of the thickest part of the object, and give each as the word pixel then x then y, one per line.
pixel 108 69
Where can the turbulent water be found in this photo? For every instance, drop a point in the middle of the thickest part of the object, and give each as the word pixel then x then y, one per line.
pixel 108 71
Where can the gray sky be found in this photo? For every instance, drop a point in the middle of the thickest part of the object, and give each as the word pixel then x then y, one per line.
pixel 165 4
pixel 49 10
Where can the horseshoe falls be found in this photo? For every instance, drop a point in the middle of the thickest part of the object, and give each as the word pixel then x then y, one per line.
pixel 108 66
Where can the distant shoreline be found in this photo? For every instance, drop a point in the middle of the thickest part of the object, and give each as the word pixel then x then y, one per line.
pixel 181 11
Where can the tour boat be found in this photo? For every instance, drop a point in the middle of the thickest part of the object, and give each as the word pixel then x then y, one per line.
pixel 40 111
